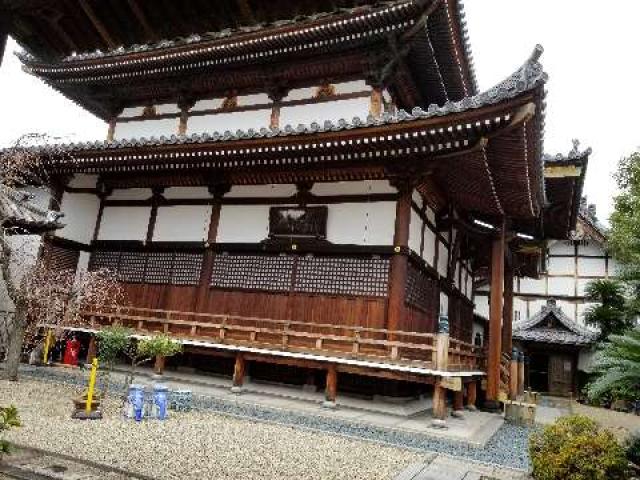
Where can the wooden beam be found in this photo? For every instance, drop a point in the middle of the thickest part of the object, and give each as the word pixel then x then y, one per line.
pixel 97 24
pixel 238 372
pixel 3 44
pixel 151 34
pixel 246 12
pixel 495 318
pixel 331 388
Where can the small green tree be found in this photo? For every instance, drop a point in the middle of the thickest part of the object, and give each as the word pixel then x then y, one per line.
pixel 617 367
pixel 113 341
pixel 8 419
pixel 610 315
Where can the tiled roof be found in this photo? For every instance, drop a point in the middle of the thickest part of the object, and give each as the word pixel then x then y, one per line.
pixel 535 329
pixel 18 210
pixel 528 77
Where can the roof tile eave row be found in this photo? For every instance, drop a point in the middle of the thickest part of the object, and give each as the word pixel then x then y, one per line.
pixel 526 79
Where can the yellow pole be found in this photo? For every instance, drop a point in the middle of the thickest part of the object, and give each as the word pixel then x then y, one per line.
pixel 92 384
pixel 47 343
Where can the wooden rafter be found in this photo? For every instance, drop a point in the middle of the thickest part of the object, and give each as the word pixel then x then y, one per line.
pixel 97 24
pixel 144 22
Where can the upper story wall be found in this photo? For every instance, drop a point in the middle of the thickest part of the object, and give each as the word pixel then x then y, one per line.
pixel 243 112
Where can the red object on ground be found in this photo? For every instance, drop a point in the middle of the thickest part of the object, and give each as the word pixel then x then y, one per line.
pixel 71 352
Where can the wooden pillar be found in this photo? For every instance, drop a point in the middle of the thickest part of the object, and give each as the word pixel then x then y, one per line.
pixel 495 319
pixel 376 102
pixel 155 203
pixel 521 380
pixel 92 351
pixel 158 367
pixel 218 192
pixel 442 363
pixel 111 133
pixel 238 373
pixel 514 373
pixel 331 387
pixel 472 395
pixel 507 310
pixel 3 41
pixel 399 262
pixel 439 405
pixel 458 403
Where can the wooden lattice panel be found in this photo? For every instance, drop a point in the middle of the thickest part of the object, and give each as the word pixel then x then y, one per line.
pixel 60 258
pixel 420 289
pixel 159 267
pixel 253 272
pixel 131 267
pixel 104 259
pixel 187 268
pixel 351 276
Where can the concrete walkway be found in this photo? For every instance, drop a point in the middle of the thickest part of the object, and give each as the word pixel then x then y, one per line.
pixel 442 467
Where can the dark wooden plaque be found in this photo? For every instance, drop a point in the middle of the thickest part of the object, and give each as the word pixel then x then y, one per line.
pixel 300 222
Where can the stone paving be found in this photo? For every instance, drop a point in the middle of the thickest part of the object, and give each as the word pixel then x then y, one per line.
pixel 442 467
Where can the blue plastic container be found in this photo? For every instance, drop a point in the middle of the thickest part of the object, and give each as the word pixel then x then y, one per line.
pixel 160 402
pixel 134 408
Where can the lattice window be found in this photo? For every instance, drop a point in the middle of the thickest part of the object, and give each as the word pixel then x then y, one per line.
pixel 159 267
pixel 253 272
pixel 132 266
pixel 104 259
pixel 60 258
pixel 343 276
pixel 187 268
pixel 420 289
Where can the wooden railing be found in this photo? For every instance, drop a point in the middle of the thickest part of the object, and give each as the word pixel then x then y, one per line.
pixel 398 347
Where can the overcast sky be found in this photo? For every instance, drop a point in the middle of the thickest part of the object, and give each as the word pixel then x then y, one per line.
pixel 589 55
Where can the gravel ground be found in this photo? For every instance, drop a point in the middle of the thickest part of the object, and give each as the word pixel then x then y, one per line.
pixel 195 445
pixel 508 447
pixel 620 423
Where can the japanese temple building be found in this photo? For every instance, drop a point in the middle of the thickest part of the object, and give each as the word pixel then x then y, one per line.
pixel 305 190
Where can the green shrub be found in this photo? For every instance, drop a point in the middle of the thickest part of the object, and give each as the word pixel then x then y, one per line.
pixel 8 419
pixel 576 448
pixel 632 447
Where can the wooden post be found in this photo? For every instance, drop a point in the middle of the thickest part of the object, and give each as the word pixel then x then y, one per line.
pixel 521 382
pixel 399 262
pixel 495 320
pixel 442 363
pixel 514 373
pixel 3 43
pixel 331 387
pixel 111 133
pixel 507 311
pixel 458 403
pixel 238 373
pixel 158 367
pixel 376 102
pixel 218 192
pixel 92 351
pixel 472 395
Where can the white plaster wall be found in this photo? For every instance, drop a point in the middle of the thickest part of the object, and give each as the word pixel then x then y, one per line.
pixel 476 328
pixel 591 267
pixel 482 305
pixel 187 192
pixel 319 112
pixel 569 308
pixel 243 223
pixel 209 104
pixel 182 223
pixel 520 305
pixel 431 215
pixel 81 180
pixel 229 121
pixel 561 286
pixel 131 194
pixel 582 285
pixel 532 285
pixel 256 99
pixel 124 223
pixel 301 93
pixel 417 199
pixel 80 216
pixel 470 287
pixel 146 128
pixel 444 304
pixel 255 191
pixel 167 108
pixel 352 87
pixel 560 247
pixel 582 308
pixel 361 223
pixel 366 187
pixel 429 252
pixel 415 232
pixel 591 249
pixel 443 257
pixel 561 265
pixel 132 112
pixel 586 358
